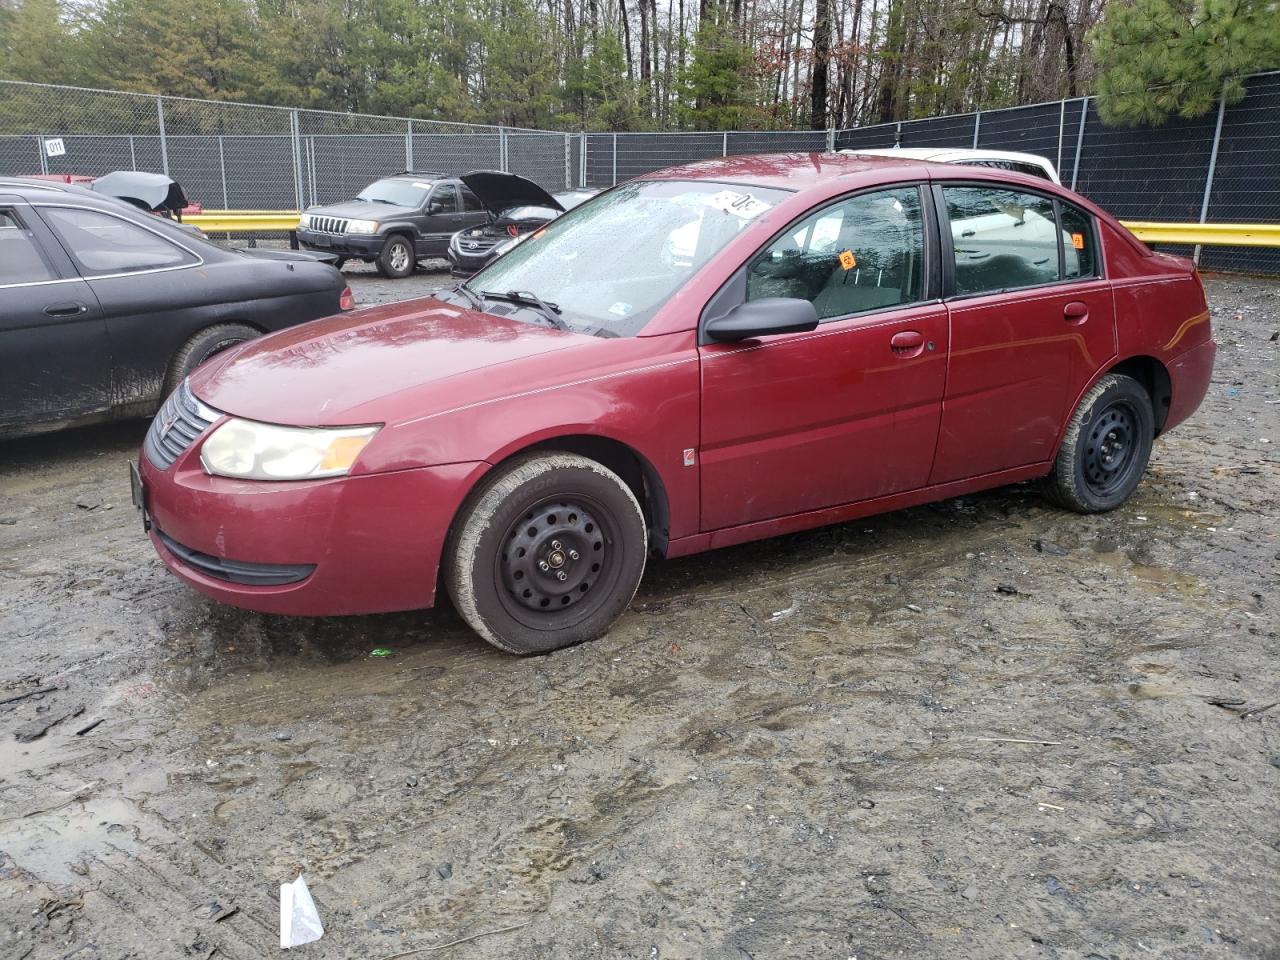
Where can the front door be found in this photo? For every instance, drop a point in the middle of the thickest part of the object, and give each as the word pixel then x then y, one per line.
pixel 444 219
pixel 1031 323
pixel 55 363
pixel 849 411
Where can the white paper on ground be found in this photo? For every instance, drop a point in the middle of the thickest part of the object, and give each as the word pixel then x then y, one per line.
pixel 299 922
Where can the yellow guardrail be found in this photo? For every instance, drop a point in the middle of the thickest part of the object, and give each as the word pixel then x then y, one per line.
pixel 1208 234
pixel 243 221
pixel 1204 234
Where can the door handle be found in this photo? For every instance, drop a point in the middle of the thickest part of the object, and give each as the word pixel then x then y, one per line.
pixel 65 309
pixel 907 342
pixel 1075 312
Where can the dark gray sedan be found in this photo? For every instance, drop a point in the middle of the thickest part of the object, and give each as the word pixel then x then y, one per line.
pixel 104 309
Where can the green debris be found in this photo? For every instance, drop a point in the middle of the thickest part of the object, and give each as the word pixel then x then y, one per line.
pixel 380 652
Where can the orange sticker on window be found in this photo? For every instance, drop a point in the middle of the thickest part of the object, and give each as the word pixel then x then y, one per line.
pixel 1077 241
pixel 848 260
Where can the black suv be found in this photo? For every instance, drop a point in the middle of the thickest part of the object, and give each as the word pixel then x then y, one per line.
pixel 394 222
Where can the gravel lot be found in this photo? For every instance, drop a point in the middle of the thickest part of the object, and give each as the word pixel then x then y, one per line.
pixel 981 728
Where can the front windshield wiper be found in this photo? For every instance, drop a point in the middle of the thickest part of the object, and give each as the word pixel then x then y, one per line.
pixel 473 298
pixel 526 299
pixel 376 200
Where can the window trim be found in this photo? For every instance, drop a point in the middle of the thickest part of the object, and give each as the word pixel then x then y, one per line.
pixel 199 260
pixel 724 299
pixel 442 188
pixel 948 251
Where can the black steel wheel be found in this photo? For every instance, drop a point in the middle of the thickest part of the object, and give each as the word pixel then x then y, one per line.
pixel 1106 447
pixel 547 554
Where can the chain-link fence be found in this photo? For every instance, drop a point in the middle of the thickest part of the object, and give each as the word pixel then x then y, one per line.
pixel 244 157
pixel 1224 168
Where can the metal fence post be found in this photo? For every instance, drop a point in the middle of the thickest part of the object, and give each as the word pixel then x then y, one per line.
pixel 582 159
pixel 164 145
pixel 408 145
pixel 295 142
pixel 222 165
pixel 1075 169
pixel 977 127
pixel 1062 122
pixel 897 134
pixel 831 139
pixel 724 150
pixel 502 149
pixel 44 161
pixel 133 154
pixel 568 162
pixel 615 160
pixel 1213 162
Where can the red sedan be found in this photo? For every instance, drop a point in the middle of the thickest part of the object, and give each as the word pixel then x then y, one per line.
pixel 715 353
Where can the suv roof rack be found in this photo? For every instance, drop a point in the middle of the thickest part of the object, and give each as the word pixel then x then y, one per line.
pixel 421 173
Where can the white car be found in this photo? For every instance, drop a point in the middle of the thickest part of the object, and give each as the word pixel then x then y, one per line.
pixel 1000 159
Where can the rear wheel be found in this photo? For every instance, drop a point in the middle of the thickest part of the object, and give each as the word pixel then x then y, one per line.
pixel 201 347
pixel 548 554
pixel 397 258
pixel 1106 447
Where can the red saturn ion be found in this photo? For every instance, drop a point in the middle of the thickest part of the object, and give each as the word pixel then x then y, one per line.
pixel 710 354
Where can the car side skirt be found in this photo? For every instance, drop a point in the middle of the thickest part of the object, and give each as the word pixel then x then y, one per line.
pixel 762 529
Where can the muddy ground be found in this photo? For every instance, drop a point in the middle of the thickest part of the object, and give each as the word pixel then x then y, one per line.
pixel 981 728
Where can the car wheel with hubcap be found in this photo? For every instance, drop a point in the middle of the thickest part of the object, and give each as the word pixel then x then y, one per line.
pixel 201 347
pixel 546 554
pixel 1106 447
pixel 396 259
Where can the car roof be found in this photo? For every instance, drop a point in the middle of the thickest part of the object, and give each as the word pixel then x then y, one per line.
pixel 787 171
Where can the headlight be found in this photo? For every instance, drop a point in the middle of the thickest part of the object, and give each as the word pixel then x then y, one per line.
pixel 305 221
pixel 362 226
pixel 248 450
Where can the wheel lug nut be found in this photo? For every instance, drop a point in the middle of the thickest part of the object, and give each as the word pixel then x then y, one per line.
pixel 561 575
pixel 573 554
pixel 542 565
pixel 555 544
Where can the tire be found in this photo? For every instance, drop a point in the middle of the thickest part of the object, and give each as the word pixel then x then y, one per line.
pixel 397 257
pixel 201 347
pixel 1106 447
pixel 544 517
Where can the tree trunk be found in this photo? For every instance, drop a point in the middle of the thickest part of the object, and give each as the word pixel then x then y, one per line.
pixel 821 58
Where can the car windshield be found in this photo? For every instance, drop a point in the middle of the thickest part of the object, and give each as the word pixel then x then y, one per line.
pixel 403 193
pixel 610 264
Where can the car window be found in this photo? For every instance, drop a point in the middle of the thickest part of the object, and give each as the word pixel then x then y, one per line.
pixel 444 199
pixel 470 202
pixel 672 228
pixel 100 243
pixel 400 193
pixel 1079 249
pixel 865 253
pixel 20 258
pixel 1003 239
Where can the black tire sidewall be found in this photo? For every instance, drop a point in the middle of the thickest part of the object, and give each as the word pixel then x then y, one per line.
pixel 1126 390
pixel 205 344
pixel 625 540
pixel 384 259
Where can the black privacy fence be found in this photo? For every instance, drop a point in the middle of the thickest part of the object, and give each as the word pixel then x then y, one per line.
pixel 1221 168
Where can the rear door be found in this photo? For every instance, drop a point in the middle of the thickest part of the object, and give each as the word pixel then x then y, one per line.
pixel 849 411
pixel 1032 320
pixel 55 361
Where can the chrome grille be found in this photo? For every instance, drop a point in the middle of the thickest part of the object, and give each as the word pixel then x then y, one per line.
pixel 182 418
pixel 328 224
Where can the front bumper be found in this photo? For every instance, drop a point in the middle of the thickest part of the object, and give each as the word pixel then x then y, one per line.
pixel 463 264
pixel 347 545
pixel 362 245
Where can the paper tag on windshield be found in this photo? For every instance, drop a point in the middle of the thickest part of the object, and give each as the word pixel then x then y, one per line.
pixel 848 260
pixel 422 186
pixel 1077 241
pixel 621 309
pixel 742 205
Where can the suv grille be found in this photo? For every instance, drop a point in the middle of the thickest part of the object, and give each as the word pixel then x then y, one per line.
pixel 181 419
pixel 328 224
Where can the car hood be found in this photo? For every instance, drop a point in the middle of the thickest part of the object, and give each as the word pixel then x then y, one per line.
pixel 379 365
pixel 153 190
pixel 362 210
pixel 501 191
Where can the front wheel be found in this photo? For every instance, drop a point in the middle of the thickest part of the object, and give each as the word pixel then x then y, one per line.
pixel 1106 447
pixel 548 554
pixel 201 347
pixel 397 258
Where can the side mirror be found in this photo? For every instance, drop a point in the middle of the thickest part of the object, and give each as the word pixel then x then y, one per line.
pixel 759 318
pixel 435 206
